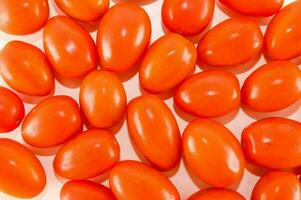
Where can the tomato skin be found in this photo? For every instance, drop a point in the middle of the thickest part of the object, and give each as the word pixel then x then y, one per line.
pixel 215 194
pixel 152 124
pixel 125 26
pixel 168 53
pixel 21 174
pixel 132 180
pixel 242 34
pixel 69 47
pixel 176 12
pixel 73 161
pixel 263 90
pixel 207 137
pixel 102 99
pixel 25 68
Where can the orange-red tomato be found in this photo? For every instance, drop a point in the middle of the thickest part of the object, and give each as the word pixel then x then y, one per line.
pixel 226 164
pixel 85 190
pixel 273 143
pixel 102 99
pixel 89 154
pixel 21 174
pixel 244 37
pixel 69 47
pixel 282 38
pixel 203 93
pixel 273 86
pixel 152 124
pixel 123 36
pixel 187 17
pixel 25 68
pixel 52 122
pixel 21 17
pixel 132 180
pixel 216 194
pixel 277 186
pixel 169 54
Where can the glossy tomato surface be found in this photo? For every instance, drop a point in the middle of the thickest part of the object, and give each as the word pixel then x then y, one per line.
pixel 216 194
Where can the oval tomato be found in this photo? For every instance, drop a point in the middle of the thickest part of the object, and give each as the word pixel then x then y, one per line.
pixel 244 37
pixel 152 124
pixel 69 47
pixel 25 68
pixel 123 36
pixel 169 53
pixel 132 180
pixel 206 137
pixel 215 194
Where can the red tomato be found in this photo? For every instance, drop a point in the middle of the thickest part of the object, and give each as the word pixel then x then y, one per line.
pixel 123 36
pixel 69 47
pixel 216 194
pixel 226 164
pixel 132 180
pixel 277 186
pixel 282 38
pixel 203 93
pixel 89 154
pixel 264 89
pixel 176 12
pixel 21 17
pixel 244 37
pixel 21 174
pixel 102 99
pixel 273 142
pixel 168 54
pixel 52 122
pixel 152 124
pixel 25 68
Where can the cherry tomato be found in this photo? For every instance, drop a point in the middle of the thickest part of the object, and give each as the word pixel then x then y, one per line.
pixel 209 94
pixel 152 124
pixel 85 190
pixel 264 89
pixel 89 154
pixel 216 194
pixel 226 164
pixel 52 122
pixel 273 142
pixel 21 174
pixel 244 37
pixel 69 47
pixel 277 186
pixel 132 180
pixel 25 68
pixel 176 12
pixel 123 36
pixel 102 99
pixel 169 54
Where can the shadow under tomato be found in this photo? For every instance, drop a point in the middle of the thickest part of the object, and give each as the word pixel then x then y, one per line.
pixel 256 170
pixel 69 82
pixel 227 118
pixel 34 99
pixel 44 151
pixel 117 127
pixel 127 75
pixel 163 96
pixel 185 116
pixel 139 2
pixel 102 177
pixel 90 26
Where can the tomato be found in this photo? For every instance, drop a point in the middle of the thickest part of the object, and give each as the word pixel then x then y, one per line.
pixel 282 37
pixel 88 11
pixel 25 68
pixel 123 36
pixel 152 124
pixel 89 154
pixel 209 94
pixel 52 122
pixel 216 194
pixel 168 54
pixel 102 99
pixel 277 186
pixel 244 37
pixel 132 180
pixel 264 88
pixel 176 12
pixel 273 142
pixel 85 190
pixel 69 47
pixel 226 164
pixel 21 174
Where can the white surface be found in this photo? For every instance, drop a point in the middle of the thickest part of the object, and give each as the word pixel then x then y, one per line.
pixel 234 121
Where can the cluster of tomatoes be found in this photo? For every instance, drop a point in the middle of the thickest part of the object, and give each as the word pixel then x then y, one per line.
pixel 211 151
